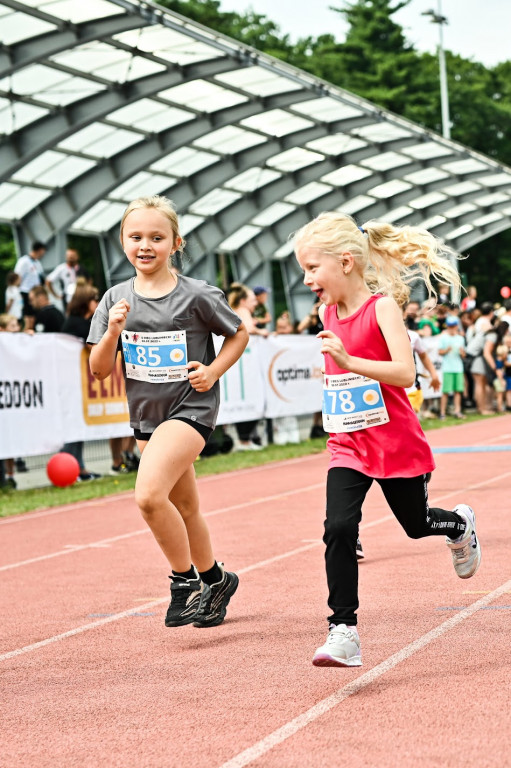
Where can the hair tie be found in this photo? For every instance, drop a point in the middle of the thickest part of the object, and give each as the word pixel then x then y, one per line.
pixel 363 230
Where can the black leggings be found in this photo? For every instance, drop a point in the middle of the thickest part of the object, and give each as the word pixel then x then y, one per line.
pixel 346 490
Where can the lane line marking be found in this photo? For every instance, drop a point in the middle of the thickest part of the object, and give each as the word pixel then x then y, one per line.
pixel 293 726
pixel 70 549
pixel 472 449
pixel 97 502
pixel 242 505
pixel 139 608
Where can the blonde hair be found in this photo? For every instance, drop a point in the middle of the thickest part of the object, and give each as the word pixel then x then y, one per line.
pixel 237 292
pixel 161 204
pixel 5 319
pixel 389 257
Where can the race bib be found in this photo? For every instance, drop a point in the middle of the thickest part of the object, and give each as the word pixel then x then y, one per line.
pixel 155 357
pixel 352 402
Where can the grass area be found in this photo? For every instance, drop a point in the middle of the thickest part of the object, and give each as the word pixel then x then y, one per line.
pixel 17 502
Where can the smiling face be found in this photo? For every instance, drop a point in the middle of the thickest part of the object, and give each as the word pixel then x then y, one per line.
pixel 148 240
pixel 324 274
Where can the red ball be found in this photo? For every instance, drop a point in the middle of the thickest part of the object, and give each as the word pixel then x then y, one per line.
pixel 505 291
pixel 62 469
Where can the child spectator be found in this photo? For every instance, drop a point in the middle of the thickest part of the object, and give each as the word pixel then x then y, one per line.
pixel 451 348
pixel 13 297
pixel 260 313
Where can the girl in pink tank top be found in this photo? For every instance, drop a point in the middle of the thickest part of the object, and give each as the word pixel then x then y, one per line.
pixel 361 276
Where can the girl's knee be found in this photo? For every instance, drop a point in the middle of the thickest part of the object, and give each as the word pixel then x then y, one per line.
pixel 148 501
pixel 340 528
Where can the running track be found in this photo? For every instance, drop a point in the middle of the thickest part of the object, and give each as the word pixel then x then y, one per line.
pixel 91 676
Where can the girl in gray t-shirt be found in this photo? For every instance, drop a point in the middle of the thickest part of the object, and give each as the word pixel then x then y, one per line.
pixel 163 325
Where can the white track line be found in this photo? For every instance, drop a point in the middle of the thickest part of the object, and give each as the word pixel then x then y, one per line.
pixel 293 726
pixel 222 510
pixel 141 608
pixel 106 542
pixel 101 500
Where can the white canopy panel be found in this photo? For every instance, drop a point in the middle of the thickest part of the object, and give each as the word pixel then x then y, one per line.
pixel 106 100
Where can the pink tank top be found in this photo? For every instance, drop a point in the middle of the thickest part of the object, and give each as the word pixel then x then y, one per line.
pixel 397 448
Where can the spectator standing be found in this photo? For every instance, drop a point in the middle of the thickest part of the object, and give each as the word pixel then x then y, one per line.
pixel 411 315
pixel 451 348
pixel 61 282
pixel 261 314
pixel 10 324
pixel 284 324
pixel 77 323
pixel 47 318
pixel 243 301
pixel 474 351
pixel 13 297
pixel 312 325
pixel 470 300
pixel 444 295
pixel 31 273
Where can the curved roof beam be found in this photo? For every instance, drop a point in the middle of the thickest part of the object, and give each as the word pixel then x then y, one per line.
pixel 65 205
pixel 479 234
pixel 35 49
pixel 17 149
pixel 243 210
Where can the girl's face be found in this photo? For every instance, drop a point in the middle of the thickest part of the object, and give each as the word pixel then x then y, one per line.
pixel 148 240
pixel 12 326
pixel 323 274
pixel 250 302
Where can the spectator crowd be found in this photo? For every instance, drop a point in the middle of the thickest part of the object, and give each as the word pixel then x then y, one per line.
pixel 469 344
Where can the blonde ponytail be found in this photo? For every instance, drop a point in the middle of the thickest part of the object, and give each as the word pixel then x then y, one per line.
pixel 389 257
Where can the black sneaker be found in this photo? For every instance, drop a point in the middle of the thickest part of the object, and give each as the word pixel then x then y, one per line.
pixel 360 551
pixel 130 461
pixel 188 598
pixel 216 606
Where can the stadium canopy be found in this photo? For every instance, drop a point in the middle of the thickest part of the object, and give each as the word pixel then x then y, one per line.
pixel 106 100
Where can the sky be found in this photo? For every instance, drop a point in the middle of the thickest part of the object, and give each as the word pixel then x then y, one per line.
pixel 476 29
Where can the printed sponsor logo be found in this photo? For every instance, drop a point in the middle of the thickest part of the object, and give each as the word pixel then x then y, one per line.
pixel 103 402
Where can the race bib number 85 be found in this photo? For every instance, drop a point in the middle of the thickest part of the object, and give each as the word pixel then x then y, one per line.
pixel 155 357
pixel 352 402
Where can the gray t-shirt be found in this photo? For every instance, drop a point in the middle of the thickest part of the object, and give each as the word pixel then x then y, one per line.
pixel 160 391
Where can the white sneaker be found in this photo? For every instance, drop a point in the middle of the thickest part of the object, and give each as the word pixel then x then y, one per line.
pixel 342 648
pixel 249 447
pixel 465 550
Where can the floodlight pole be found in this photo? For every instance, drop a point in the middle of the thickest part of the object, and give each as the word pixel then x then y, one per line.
pixel 438 18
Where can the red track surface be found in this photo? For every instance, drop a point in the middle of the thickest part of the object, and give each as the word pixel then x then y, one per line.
pixel 91 676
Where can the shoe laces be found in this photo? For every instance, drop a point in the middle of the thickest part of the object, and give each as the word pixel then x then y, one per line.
pixel 336 630
pixel 180 589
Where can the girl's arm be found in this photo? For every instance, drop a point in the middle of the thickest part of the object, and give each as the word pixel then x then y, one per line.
pixel 250 323
pixel 428 365
pixel 103 354
pixel 400 370
pixel 203 377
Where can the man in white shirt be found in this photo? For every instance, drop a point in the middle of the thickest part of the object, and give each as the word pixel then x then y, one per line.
pixel 61 282
pixel 30 270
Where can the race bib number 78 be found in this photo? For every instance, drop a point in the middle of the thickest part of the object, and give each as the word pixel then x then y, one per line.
pixel 352 402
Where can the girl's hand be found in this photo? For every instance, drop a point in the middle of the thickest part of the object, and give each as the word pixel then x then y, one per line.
pixel 335 348
pixel 117 316
pixel 201 377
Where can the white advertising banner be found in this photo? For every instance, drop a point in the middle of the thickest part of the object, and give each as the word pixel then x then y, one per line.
pixel 242 395
pixel 48 396
pixel 293 377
